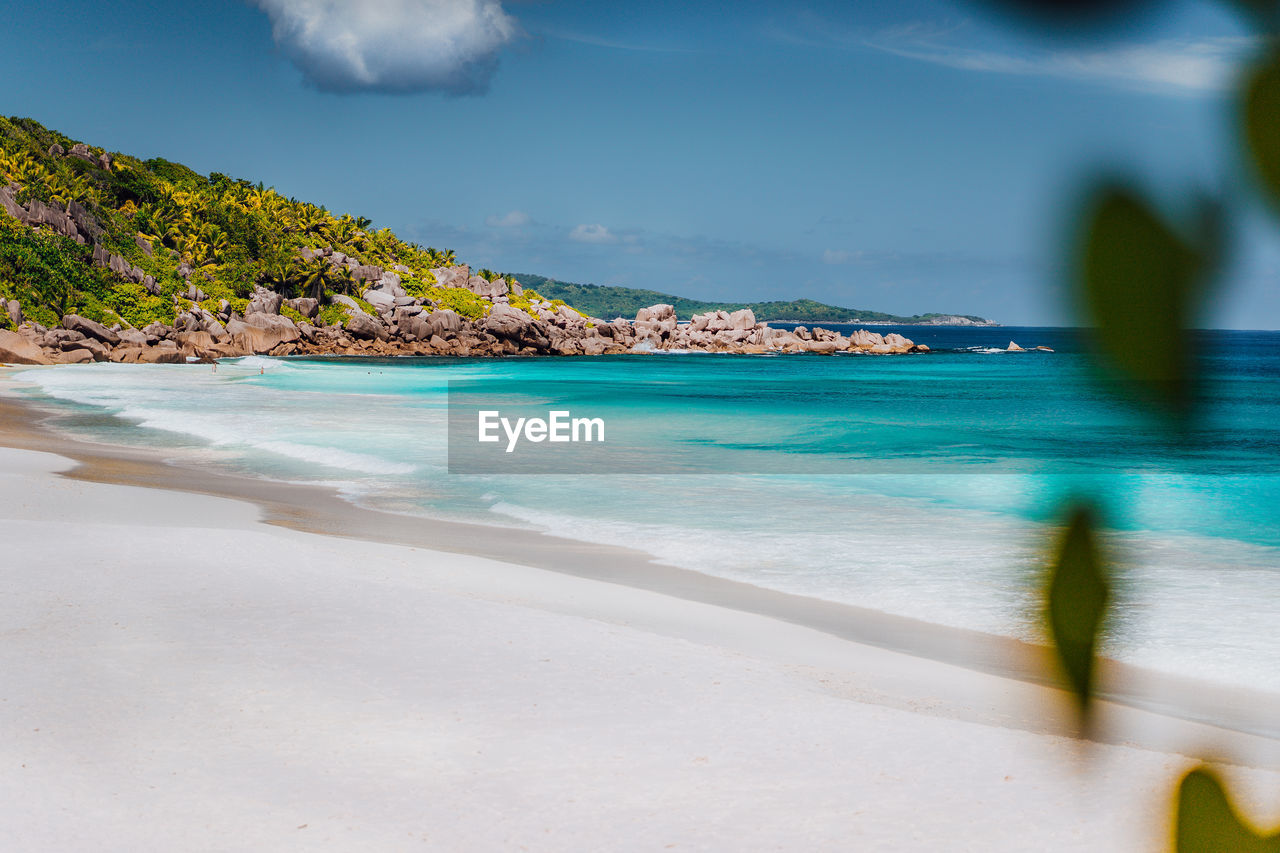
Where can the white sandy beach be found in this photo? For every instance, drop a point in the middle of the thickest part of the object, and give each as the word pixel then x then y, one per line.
pixel 178 675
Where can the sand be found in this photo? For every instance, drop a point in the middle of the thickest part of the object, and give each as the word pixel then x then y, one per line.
pixel 179 674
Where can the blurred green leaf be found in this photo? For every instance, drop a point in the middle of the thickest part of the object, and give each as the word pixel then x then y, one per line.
pixel 1076 603
pixel 1262 122
pixel 1074 15
pixel 1142 287
pixel 1206 823
pixel 1261 14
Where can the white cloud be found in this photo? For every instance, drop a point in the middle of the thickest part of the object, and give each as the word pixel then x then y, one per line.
pixel 835 256
pixel 514 219
pixel 1172 66
pixel 392 45
pixel 592 234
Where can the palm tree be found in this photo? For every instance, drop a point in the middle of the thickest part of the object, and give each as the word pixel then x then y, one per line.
pixel 188 247
pixel 344 229
pixel 324 228
pixel 215 240
pixel 343 280
pixel 20 167
pixel 69 189
pixel 314 278
pixel 437 257
pixel 282 272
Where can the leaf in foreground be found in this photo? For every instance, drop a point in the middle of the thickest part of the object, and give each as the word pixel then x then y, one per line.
pixel 1262 122
pixel 1205 822
pixel 1260 13
pixel 1076 599
pixel 1142 284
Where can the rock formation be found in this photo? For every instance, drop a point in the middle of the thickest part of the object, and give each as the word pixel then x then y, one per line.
pixel 404 325
pixel 398 323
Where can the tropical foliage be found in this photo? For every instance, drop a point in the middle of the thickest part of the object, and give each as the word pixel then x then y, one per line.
pixel 228 234
pixel 51 274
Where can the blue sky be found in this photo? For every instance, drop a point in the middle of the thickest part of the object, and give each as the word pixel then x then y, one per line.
pixel 908 156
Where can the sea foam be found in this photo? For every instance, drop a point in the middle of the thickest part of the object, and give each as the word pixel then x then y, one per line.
pixel 964 548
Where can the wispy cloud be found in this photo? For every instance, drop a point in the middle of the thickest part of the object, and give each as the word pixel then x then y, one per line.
pixel 397 46
pixel 513 219
pixel 592 234
pixel 836 257
pixel 1186 67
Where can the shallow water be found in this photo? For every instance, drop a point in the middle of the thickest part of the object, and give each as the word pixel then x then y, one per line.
pixel 922 485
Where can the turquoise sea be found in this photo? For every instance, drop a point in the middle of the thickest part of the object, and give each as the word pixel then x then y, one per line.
pixel 924 485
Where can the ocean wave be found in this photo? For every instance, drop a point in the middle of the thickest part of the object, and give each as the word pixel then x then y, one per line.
pixel 172 407
pixel 966 586
pixel 258 362
pixel 234 431
pixel 335 457
pixel 969 570
pixel 217 431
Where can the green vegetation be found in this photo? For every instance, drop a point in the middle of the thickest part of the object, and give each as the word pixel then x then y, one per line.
pixel 459 299
pixel 134 305
pixel 608 302
pixel 525 301
pixel 231 234
pixel 331 315
pixel 293 315
pixel 52 275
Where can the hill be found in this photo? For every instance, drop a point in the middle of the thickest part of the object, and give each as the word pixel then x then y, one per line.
pixel 119 240
pixel 608 302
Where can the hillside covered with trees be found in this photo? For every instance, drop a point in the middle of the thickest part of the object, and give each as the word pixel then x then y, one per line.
pixel 129 241
pixel 609 301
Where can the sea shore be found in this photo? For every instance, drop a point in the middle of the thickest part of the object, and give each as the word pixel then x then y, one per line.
pixel 200 661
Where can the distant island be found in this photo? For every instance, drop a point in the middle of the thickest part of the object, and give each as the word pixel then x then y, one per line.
pixel 107 257
pixel 611 301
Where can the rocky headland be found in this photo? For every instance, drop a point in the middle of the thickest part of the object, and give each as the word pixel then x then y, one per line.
pixel 387 321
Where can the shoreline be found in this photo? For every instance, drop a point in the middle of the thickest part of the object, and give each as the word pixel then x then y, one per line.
pixel 320 510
